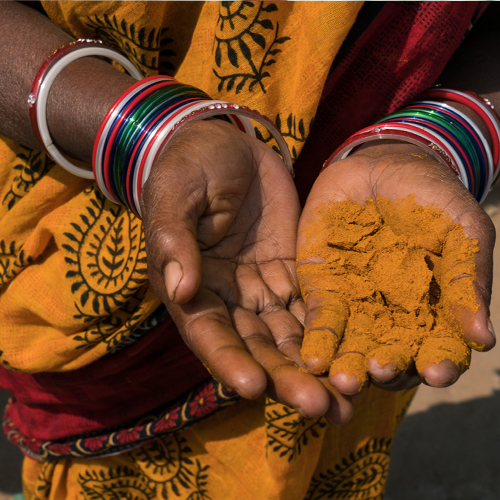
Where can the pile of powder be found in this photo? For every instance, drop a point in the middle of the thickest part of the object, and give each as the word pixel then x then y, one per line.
pixel 383 280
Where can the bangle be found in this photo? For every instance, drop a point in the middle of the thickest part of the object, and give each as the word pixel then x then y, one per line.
pixel 138 126
pixel 448 135
pixel 144 119
pixel 471 147
pixel 48 72
pixel 130 125
pixel 464 121
pixel 477 138
pixel 202 111
pixel 481 107
pixel 115 113
pixel 454 144
pixel 437 149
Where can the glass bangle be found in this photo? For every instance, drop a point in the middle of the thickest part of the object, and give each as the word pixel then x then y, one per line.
pixel 136 125
pixel 114 111
pixel 464 160
pixel 474 130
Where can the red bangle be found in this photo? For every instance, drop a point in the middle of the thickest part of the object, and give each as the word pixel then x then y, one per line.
pixel 383 132
pixel 477 104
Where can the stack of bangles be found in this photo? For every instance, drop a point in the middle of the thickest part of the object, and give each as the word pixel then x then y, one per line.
pixel 138 125
pixel 146 117
pixel 447 134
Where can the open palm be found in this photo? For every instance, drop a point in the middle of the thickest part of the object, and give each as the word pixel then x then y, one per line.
pixel 393 171
pixel 220 217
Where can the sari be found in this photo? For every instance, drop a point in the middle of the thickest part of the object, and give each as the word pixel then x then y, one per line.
pixel 107 400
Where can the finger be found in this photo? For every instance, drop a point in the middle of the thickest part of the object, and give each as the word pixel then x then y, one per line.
pixel 341 408
pixel 349 371
pixel 388 361
pixel 170 218
pixel 270 332
pixel 286 382
pixel 400 382
pixel 442 359
pixel 281 278
pixel 206 327
pixel 244 285
pixel 475 326
pixel 442 374
pixel 248 286
pixel 466 304
pixel 285 329
pixel 326 317
pixel 464 272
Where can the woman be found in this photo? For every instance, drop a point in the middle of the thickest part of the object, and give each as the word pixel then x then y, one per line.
pixel 95 365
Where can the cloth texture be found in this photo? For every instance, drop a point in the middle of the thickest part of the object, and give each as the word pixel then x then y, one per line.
pixel 73 265
pixel 248 451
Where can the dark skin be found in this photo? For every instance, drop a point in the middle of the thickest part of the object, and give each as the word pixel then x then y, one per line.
pixel 226 268
pixel 221 238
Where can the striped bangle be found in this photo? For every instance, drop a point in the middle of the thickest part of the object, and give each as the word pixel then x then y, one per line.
pixel 468 125
pixel 131 120
pixel 444 132
pixel 479 106
pixel 144 119
pixel 472 139
pixel 466 156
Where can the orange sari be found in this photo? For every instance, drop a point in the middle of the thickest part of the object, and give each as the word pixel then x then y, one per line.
pixel 67 302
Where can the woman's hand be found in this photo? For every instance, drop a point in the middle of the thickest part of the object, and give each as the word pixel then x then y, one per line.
pixel 220 215
pixel 393 170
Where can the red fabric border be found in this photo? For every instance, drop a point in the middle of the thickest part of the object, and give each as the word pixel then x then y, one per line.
pixel 208 398
pixel 157 369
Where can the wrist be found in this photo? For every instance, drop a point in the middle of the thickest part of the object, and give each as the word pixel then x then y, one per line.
pixel 391 148
pixel 79 97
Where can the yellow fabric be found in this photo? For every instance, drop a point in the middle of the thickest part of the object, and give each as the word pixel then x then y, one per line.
pixel 73 268
pixel 72 264
pixel 249 451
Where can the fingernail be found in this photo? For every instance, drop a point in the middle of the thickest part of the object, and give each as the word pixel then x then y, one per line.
pixel 172 277
pixel 300 411
pixel 491 329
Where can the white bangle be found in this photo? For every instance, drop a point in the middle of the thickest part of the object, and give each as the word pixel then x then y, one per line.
pixel 201 111
pixel 38 100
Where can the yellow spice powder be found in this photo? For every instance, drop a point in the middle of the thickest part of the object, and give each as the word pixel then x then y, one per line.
pixel 386 286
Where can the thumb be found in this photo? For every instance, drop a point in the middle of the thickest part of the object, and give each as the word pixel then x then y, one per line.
pixel 170 212
pixel 173 252
pixel 466 271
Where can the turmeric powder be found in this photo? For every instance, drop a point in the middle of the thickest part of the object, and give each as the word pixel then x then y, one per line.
pixel 385 280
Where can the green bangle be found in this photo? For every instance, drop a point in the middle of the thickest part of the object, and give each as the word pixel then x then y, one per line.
pixel 145 112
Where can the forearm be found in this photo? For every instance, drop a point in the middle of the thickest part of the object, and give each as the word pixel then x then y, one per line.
pixel 80 96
